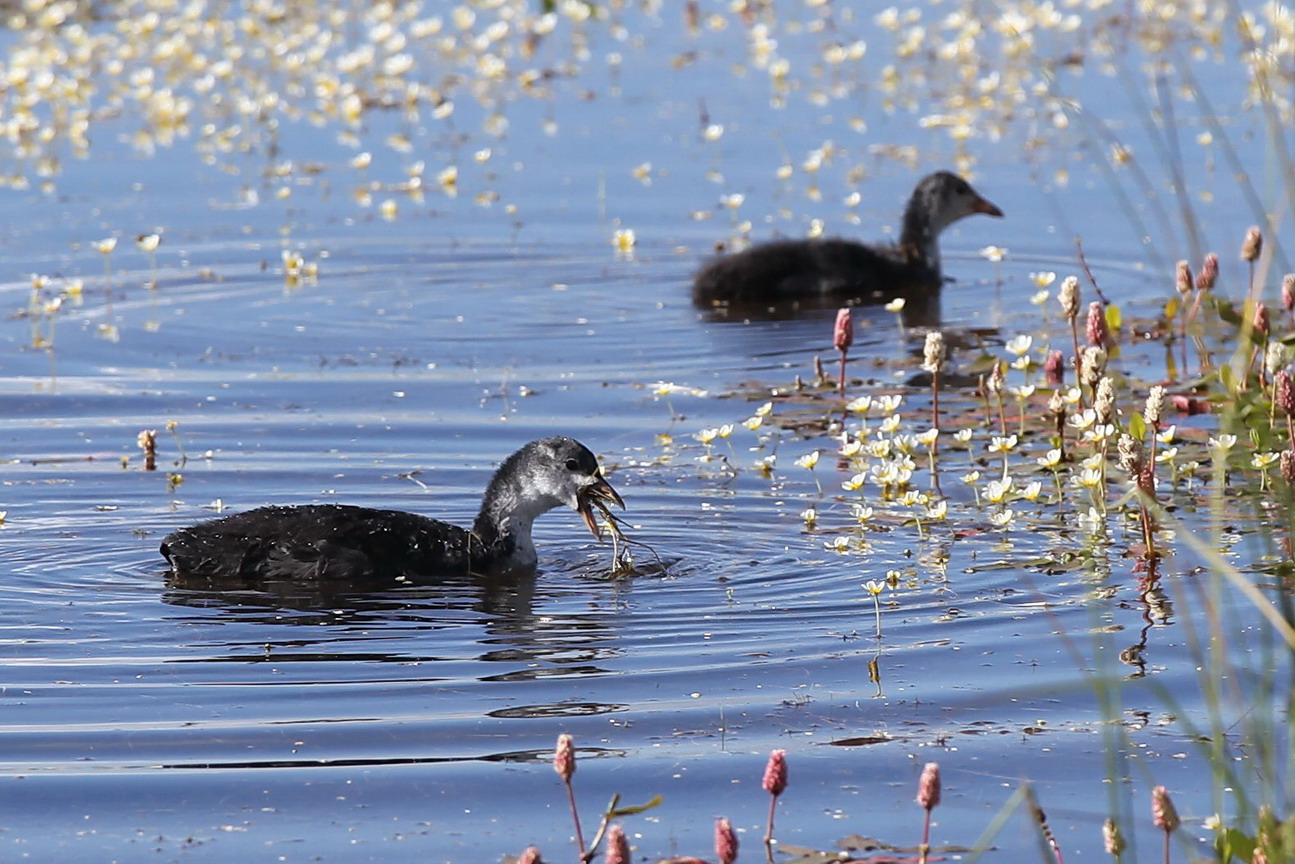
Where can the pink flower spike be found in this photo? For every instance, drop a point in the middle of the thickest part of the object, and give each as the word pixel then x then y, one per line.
pixel 564 757
pixel 618 847
pixel 843 332
pixel 1260 322
pixel 1209 272
pixel 775 773
pixel 564 762
pixel 1112 837
pixel 928 787
pixel 1163 813
pixel 1054 368
pixel 1253 244
pixel 842 338
pixel 1097 333
pixel 1183 278
pixel 725 842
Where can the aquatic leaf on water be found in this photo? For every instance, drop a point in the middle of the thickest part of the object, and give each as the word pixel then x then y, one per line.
pixel 617 811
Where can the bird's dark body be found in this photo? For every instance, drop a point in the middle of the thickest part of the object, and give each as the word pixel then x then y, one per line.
pixel 326 541
pixel 793 269
pixel 338 542
pixel 847 271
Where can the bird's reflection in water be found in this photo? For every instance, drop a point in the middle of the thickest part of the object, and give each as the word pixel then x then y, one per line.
pixel 502 609
pixel 921 306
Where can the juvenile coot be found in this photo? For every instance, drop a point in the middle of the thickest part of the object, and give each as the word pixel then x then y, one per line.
pixel 334 541
pixel 804 269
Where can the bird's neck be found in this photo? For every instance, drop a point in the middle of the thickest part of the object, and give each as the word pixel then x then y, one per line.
pixel 503 527
pixel 920 238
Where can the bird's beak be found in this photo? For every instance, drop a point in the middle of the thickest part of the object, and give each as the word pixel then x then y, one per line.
pixel 980 205
pixel 599 490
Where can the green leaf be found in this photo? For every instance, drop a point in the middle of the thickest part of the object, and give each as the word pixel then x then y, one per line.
pixel 1233 843
pixel 1138 427
pixel 630 811
pixel 1114 319
pixel 1228 379
pixel 1227 312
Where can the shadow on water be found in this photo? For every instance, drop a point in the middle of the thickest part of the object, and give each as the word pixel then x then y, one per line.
pixel 921 306
pixel 511 757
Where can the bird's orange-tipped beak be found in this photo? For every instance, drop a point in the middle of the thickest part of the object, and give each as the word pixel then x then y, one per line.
pixel 599 490
pixel 983 206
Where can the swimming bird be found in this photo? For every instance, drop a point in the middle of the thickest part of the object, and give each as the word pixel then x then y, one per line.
pixel 341 542
pixel 788 270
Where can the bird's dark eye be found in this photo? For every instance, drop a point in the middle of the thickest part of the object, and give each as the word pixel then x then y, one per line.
pixel 572 465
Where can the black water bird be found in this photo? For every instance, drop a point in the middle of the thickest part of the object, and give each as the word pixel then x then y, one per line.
pixel 846 270
pixel 340 542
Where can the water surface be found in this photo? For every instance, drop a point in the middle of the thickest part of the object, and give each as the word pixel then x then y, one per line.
pixel 150 720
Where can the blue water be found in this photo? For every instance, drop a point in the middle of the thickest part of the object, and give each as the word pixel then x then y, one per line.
pixel 149 721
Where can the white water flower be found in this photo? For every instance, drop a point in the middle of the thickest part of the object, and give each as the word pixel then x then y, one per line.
pixel 889 404
pixel 1051 459
pixel 1099 433
pixel 1020 345
pixel 1025 391
pixel 1083 420
pixel 1089 478
pixel 859 405
pixel 1263 460
pixel 1094 461
pixel 624 240
pixel 1002 443
pixel 855 483
pixel 1092 521
pixel 1223 443
pixel 996 490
